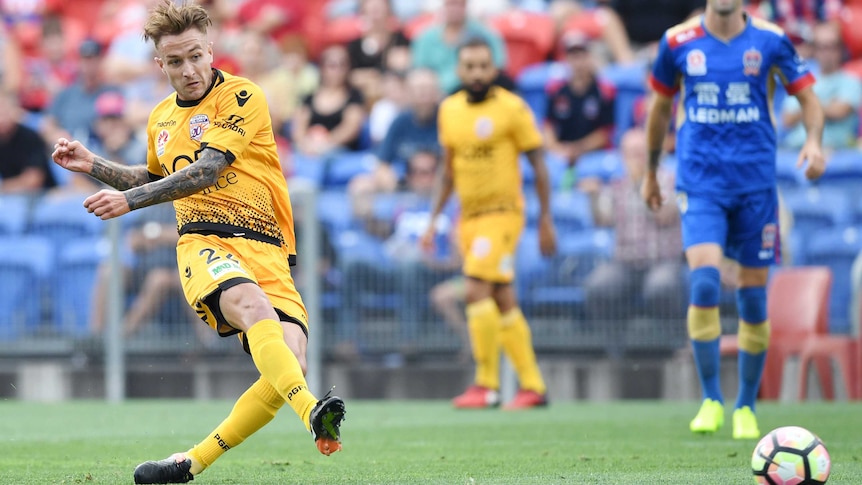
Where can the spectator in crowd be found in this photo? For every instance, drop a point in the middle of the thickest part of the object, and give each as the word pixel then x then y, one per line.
pixel 10 67
pixel 382 47
pixel 838 91
pixel 415 129
pixel 647 268
pixel 387 107
pixel 437 47
pixel 286 85
pixel 332 117
pixel 150 275
pixel 72 112
pixel 49 69
pixel 646 20
pixel 24 166
pixel 112 137
pixel 128 57
pixel 406 269
pixel 142 94
pixel 580 113
pixel 595 22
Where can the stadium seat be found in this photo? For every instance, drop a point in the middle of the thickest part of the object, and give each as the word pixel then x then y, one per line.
pixel 77 264
pixel 334 211
pixel 556 283
pixel 843 172
pixel 836 249
pixel 529 38
pixel 816 208
pixel 603 164
pixel 24 268
pixel 798 308
pixel 16 212
pixel 344 166
pixel 572 211
pixel 845 350
pixel 533 82
pixel 63 218
pixel 556 166
pixel 849 19
pixel 786 174
pixel 308 168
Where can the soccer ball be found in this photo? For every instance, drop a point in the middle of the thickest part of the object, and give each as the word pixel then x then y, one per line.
pixel 790 456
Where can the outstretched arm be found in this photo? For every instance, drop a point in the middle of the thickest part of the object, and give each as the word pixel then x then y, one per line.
pixel 75 157
pixel 201 174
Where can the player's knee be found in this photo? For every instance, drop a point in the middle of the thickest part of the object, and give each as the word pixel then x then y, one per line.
pixel 705 286
pixel 751 304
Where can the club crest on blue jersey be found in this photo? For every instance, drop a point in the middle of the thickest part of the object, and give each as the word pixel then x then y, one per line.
pixel 751 61
pixel 695 63
pixel 197 125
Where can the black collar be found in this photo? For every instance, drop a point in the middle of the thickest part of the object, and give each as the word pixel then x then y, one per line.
pixel 218 78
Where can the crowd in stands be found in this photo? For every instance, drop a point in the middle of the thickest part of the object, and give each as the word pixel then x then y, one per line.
pixel 353 87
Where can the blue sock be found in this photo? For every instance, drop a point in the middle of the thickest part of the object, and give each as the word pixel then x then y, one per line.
pixel 708 359
pixel 753 342
pixel 750 371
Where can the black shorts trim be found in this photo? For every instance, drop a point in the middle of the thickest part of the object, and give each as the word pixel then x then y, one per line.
pixel 227 230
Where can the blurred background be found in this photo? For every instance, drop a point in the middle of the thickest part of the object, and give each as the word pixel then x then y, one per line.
pixel 90 309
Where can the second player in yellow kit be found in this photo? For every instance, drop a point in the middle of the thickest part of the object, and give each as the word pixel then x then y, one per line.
pixel 483 130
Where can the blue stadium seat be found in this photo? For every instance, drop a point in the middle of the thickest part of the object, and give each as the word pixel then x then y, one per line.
pixel 308 168
pixel 344 166
pixel 787 175
pixel 604 164
pixel 75 274
pixel 815 208
pixel 624 107
pixel 556 166
pixel 533 81
pixel 843 172
pixel 63 218
pixel 334 210
pixel 24 269
pixel 837 248
pixel 555 284
pixel 16 212
pixel 571 211
pixel 630 76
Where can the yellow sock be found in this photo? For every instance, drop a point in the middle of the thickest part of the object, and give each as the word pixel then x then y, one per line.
pixel 517 343
pixel 483 322
pixel 256 407
pixel 279 366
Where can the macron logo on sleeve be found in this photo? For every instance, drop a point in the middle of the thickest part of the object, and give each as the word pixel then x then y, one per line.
pixel 242 97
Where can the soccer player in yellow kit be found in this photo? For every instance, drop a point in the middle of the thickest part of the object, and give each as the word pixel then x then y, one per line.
pixel 483 129
pixel 210 150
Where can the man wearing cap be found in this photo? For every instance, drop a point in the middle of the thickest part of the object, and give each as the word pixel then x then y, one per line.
pixel 580 113
pixel 72 111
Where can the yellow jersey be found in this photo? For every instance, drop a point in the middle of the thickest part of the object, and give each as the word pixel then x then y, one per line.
pixel 250 198
pixel 485 140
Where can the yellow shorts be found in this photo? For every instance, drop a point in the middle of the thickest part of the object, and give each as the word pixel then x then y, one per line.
pixel 488 243
pixel 210 264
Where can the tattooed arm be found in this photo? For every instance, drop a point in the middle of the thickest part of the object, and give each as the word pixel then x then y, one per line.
pixel 118 176
pixel 203 173
pixel 107 204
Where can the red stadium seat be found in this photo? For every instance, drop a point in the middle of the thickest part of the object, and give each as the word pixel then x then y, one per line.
pixel 850 19
pixel 854 67
pixel 798 309
pixel 342 30
pixel 529 38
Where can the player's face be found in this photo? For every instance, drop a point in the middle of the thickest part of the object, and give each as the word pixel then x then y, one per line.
pixel 476 70
pixel 725 7
pixel 187 60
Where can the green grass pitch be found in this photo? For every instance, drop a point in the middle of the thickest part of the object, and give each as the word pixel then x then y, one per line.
pixel 412 443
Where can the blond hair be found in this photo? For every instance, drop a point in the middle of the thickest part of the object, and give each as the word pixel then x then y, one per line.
pixel 170 19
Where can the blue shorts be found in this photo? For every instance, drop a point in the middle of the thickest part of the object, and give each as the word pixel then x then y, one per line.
pixel 744 225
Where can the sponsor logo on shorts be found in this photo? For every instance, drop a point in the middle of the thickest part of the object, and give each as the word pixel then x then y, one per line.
pixel 682 202
pixel 223 267
pixel 768 236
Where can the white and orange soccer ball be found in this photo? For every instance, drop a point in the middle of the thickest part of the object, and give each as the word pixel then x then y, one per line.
pixel 790 456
